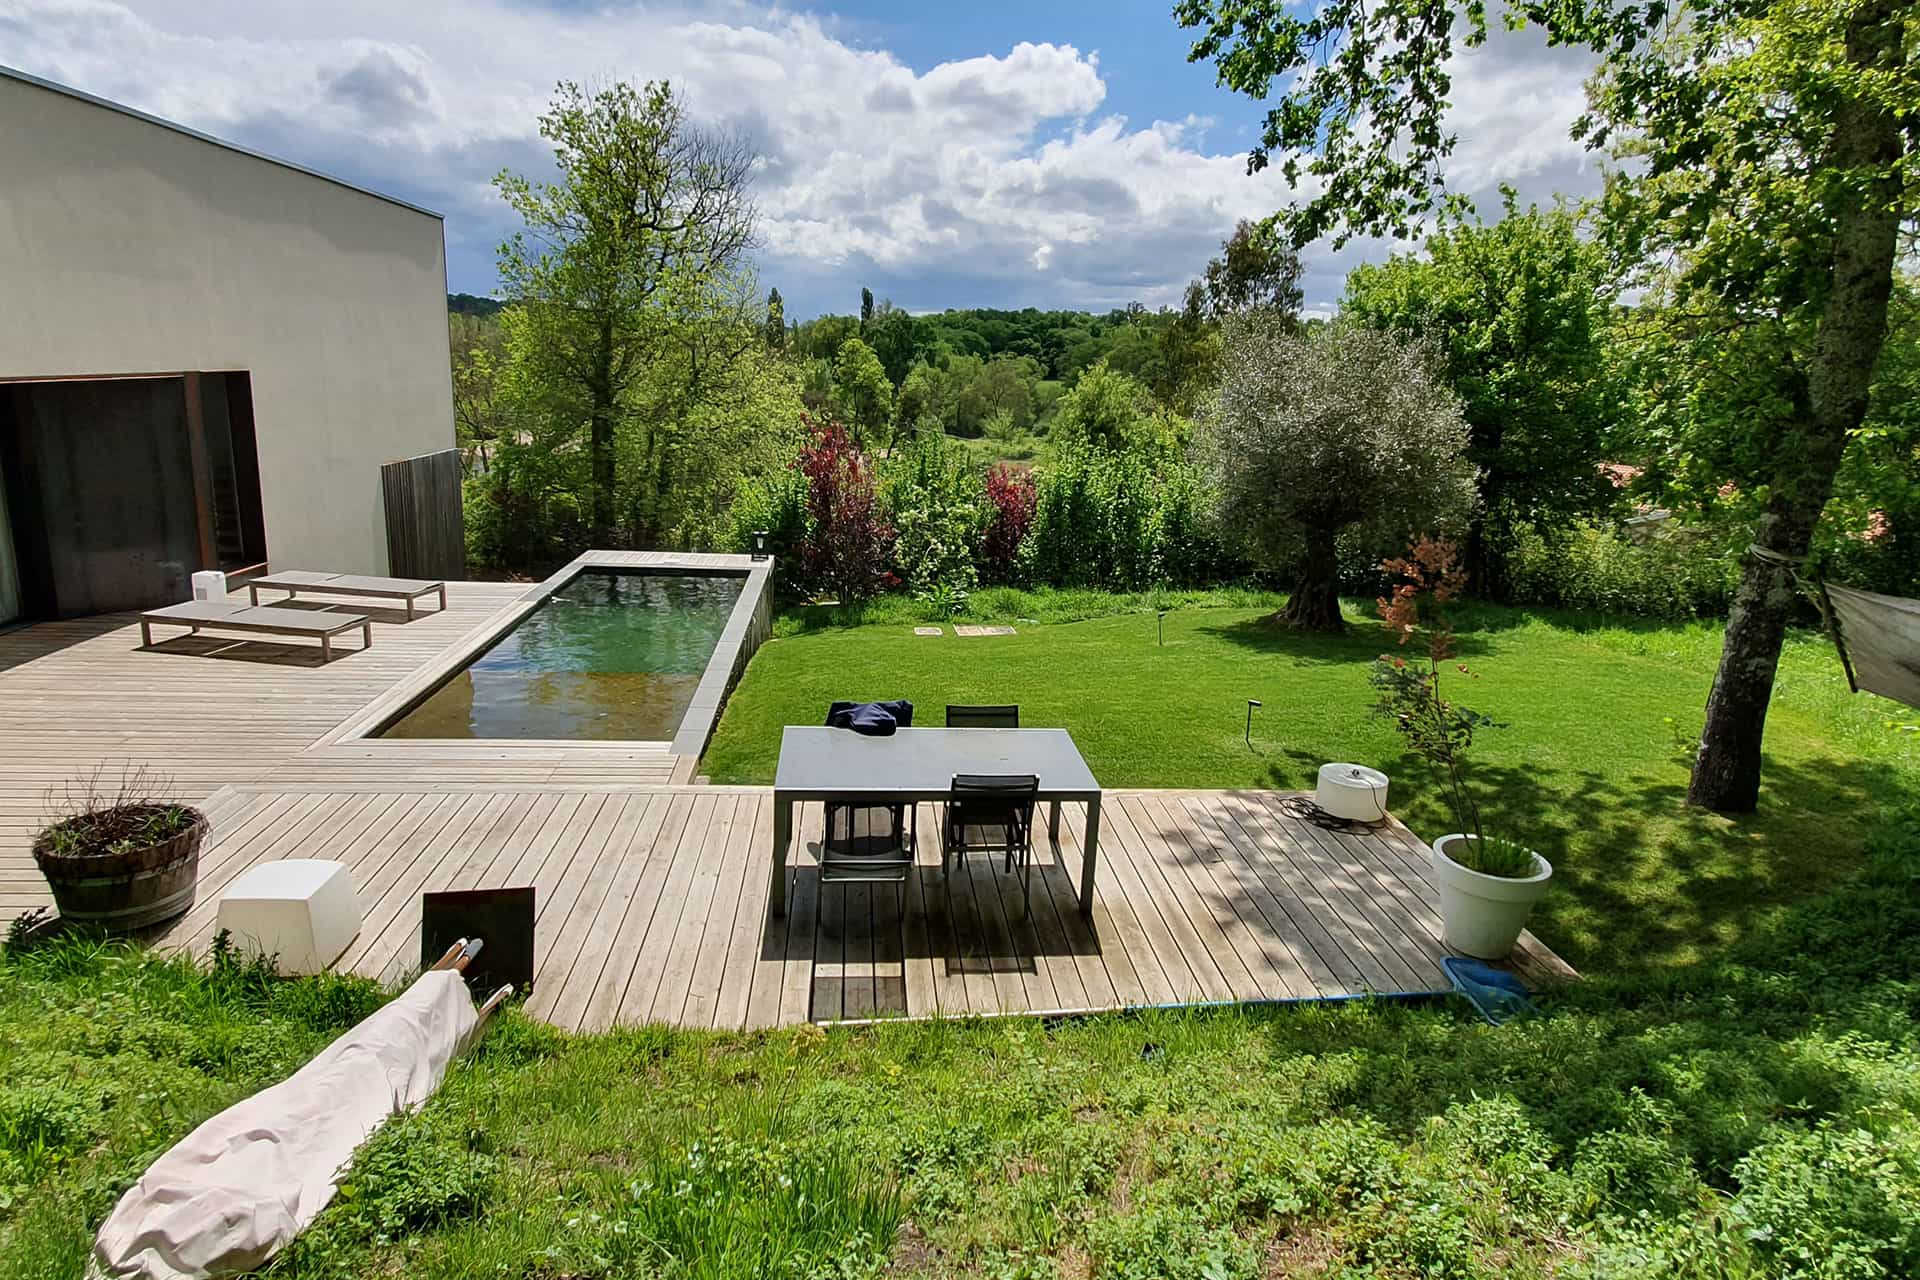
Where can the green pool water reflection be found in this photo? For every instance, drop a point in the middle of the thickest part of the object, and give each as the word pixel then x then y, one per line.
pixel 610 655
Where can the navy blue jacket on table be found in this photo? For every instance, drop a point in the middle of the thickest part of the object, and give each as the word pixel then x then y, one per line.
pixel 875 719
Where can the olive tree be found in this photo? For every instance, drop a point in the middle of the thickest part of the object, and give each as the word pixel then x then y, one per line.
pixel 1338 431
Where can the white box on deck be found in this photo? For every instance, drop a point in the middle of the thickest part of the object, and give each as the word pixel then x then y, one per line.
pixel 210 584
pixel 302 912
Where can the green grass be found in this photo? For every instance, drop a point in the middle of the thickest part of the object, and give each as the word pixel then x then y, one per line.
pixel 1755 1115
pixel 1587 769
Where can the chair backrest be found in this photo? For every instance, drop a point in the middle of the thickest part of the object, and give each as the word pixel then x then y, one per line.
pixel 1011 787
pixel 1003 717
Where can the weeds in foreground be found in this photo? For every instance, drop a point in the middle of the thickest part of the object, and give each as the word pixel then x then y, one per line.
pixel 1756 1115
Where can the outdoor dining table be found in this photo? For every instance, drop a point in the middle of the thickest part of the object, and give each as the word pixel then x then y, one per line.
pixel 911 765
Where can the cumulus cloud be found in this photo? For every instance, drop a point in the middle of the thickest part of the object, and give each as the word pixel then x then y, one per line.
pixel 998 179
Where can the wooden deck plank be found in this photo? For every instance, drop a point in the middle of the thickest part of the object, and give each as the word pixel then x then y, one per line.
pixel 661 950
pixel 743 968
pixel 1132 967
pixel 653 859
pixel 1266 919
pixel 578 897
pixel 1199 965
pixel 796 982
pixel 712 898
pixel 601 970
pixel 1323 964
pixel 1343 906
pixel 1333 924
pixel 1195 860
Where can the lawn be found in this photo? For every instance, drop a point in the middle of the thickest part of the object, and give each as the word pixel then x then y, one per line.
pixel 1757 1115
pixel 1588 767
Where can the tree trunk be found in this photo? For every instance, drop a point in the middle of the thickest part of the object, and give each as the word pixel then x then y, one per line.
pixel 1315 602
pixel 1726 774
pixel 600 436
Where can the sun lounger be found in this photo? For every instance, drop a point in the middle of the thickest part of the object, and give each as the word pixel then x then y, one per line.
pixel 294 581
pixel 231 616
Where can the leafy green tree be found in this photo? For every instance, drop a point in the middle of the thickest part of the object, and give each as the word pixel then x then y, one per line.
pixel 776 326
pixel 645 205
pixel 1004 384
pixel 894 338
pixel 1258 270
pixel 1518 311
pixel 861 391
pixel 1104 407
pixel 1341 432
pixel 1768 145
pixel 866 309
pixel 480 414
pixel 927 397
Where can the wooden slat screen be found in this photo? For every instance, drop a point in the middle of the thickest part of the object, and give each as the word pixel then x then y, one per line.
pixel 426 536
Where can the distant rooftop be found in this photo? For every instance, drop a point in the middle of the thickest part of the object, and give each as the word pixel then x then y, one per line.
pixel 52 86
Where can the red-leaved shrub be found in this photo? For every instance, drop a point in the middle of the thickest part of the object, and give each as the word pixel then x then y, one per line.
pixel 849 541
pixel 1010 494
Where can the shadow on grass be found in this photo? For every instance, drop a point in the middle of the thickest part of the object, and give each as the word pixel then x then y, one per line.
pixel 1699 1059
pixel 1361 642
pixel 1641 880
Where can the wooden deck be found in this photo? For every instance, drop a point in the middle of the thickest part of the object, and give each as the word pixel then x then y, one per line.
pixel 206 711
pixel 652 904
pixel 653 894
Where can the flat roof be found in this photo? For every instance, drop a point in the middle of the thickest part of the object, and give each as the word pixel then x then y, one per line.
pixel 52 86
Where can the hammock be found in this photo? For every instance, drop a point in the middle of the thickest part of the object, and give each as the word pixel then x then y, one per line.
pixel 232 1193
pixel 1879 641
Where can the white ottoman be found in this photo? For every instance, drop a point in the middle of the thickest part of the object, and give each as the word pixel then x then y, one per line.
pixel 301 911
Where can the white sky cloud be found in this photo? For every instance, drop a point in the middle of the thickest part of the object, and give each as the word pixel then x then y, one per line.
pixel 1005 169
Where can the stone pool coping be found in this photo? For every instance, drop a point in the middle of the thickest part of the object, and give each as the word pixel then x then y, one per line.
pixel 748 626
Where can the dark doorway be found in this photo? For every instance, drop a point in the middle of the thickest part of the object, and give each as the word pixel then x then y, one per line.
pixel 118 489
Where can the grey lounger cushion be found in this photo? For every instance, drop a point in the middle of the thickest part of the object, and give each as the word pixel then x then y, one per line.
pixel 346 584
pixel 242 617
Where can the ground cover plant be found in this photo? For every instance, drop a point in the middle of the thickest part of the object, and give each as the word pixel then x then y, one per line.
pixel 1590 767
pixel 1755 1114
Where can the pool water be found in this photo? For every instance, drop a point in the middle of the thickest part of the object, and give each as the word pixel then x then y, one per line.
pixel 614 656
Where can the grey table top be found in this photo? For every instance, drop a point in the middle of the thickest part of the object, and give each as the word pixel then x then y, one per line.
pixel 817 762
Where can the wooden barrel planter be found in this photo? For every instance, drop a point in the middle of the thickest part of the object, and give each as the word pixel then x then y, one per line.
pixel 121 888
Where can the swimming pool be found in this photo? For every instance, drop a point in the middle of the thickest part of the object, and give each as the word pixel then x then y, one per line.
pixel 607 655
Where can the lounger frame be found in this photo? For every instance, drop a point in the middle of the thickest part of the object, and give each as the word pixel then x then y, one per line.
pixel 240 622
pixel 347 584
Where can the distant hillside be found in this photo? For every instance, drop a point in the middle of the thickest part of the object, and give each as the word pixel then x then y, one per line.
pixel 468 304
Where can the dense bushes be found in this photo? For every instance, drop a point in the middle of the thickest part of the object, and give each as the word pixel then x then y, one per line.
pixel 1690 573
pixel 930 518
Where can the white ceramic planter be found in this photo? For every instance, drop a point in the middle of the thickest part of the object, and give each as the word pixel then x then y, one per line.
pixel 1482 915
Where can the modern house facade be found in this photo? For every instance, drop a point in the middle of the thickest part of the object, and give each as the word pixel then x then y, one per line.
pixel 205 356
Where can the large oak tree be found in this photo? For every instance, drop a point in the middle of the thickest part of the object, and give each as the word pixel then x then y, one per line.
pixel 1767 145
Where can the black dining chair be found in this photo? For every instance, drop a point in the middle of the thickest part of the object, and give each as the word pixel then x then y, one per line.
pixel 971 717
pixel 869 842
pixel 992 813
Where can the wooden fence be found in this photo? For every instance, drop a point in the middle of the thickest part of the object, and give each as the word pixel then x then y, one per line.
pixel 426 536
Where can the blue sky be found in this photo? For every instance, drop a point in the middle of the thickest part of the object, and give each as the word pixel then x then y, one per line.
pixel 985 154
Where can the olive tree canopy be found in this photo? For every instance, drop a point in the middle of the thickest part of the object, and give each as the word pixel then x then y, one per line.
pixel 1335 432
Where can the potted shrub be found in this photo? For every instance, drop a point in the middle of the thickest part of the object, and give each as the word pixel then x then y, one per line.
pixel 122 859
pixel 1488 882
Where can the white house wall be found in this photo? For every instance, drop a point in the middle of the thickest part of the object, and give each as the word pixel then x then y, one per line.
pixel 129 247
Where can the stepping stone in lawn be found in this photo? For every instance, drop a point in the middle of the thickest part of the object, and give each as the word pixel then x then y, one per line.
pixel 928 631
pixel 983 631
